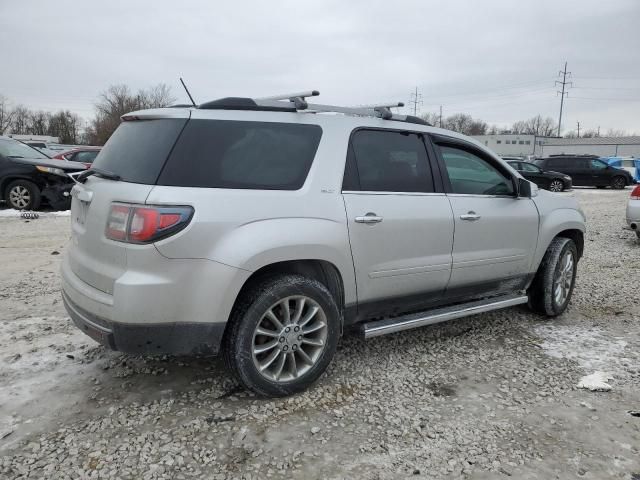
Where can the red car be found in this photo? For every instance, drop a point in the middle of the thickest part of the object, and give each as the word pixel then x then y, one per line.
pixel 84 155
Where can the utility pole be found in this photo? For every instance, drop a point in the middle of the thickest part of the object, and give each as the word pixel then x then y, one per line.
pixel 416 99
pixel 564 83
pixel 598 130
pixel 440 116
pixel 578 129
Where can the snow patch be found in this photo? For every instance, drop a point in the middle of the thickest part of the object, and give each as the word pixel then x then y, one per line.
pixel 596 382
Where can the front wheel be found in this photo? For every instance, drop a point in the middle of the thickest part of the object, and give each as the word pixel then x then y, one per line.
pixel 552 287
pixel 556 185
pixel 283 334
pixel 618 183
pixel 23 195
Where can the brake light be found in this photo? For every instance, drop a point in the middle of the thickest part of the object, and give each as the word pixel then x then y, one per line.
pixel 134 224
pixel 635 193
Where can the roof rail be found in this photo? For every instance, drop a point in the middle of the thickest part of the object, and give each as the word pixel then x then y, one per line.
pixel 295 102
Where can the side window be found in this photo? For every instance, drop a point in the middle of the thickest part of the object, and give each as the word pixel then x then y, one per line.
pixel 85 157
pixel 527 167
pixel 598 164
pixel 557 163
pixel 471 174
pixel 388 161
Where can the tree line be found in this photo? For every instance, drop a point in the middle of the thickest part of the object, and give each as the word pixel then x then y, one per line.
pixel 70 128
pixel 118 100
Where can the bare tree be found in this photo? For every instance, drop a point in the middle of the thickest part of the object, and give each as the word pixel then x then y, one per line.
pixel 39 122
pixel 542 127
pixel 6 114
pixel 20 122
pixel 431 118
pixel 466 124
pixel 66 126
pixel 118 100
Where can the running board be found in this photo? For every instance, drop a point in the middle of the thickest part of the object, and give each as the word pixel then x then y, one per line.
pixel 429 317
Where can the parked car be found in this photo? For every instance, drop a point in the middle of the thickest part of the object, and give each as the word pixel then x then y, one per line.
pixel 586 170
pixel 84 155
pixel 255 229
pixel 28 177
pixel 630 164
pixel 633 210
pixel 547 179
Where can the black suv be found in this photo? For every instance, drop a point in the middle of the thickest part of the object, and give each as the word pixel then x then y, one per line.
pixel 587 170
pixel 27 177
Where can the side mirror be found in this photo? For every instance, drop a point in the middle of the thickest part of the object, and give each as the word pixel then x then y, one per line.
pixel 526 189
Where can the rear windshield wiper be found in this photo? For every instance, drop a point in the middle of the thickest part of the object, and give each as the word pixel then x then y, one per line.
pixel 97 171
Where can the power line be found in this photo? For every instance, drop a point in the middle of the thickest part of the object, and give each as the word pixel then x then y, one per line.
pixel 564 83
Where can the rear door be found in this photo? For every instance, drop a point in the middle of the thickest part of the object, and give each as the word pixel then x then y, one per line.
pixel 136 152
pixel 400 222
pixel 495 231
pixel 599 172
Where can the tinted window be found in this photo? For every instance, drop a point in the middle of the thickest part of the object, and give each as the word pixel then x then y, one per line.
pixel 85 157
pixel 231 154
pixel 471 174
pixel 527 167
pixel 391 161
pixel 558 163
pixel 516 165
pixel 138 149
pixel 598 164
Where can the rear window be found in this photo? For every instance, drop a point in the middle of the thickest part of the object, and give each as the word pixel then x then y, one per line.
pixel 244 155
pixel 138 149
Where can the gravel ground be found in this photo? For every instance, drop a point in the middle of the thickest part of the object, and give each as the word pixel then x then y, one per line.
pixel 492 396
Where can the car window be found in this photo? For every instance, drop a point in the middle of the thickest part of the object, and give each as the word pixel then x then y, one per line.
pixel 85 157
pixel 515 165
pixel 15 149
pixel 388 161
pixel 527 167
pixel 471 174
pixel 247 155
pixel 597 164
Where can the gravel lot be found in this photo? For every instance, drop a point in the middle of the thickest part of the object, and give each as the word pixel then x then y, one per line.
pixel 492 396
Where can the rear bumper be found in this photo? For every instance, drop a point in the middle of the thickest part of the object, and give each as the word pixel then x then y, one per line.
pixel 172 306
pixel 633 214
pixel 174 338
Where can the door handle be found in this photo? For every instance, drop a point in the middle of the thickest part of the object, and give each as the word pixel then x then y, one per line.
pixel 370 218
pixel 470 217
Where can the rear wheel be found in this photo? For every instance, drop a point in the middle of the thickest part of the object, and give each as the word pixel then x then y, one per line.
pixel 556 185
pixel 22 195
pixel 618 183
pixel 552 287
pixel 283 334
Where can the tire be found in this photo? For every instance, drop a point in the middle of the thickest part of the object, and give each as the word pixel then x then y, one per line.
pixel 556 185
pixel 242 340
pixel 22 195
pixel 543 291
pixel 638 234
pixel 618 183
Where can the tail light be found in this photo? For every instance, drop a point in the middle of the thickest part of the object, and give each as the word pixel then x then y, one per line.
pixel 137 224
pixel 635 193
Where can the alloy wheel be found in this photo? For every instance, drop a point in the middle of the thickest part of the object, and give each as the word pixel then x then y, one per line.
pixel 289 339
pixel 563 279
pixel 19 197
pixel 556 186
pixel 619 183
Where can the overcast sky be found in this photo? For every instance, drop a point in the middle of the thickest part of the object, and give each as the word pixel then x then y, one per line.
pixel 496 60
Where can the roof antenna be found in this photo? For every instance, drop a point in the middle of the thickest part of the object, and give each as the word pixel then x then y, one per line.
pixel 187 90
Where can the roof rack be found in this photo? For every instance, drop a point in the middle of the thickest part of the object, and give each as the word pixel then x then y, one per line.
pixel 295 102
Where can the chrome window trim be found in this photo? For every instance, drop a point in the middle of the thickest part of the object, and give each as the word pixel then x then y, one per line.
pixel 374 192
pixel 479 195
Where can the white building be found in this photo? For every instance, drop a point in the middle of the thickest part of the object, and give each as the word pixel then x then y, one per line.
pixel 509 144
pixel 526 145
pixel 601 146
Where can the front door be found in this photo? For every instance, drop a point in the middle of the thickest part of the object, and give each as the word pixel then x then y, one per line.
pixel 495 231
pixel 400 227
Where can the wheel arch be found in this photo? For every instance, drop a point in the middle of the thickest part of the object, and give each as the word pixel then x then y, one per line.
pixel 4 183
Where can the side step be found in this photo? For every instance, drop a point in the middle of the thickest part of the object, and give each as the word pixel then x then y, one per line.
pixel 429 317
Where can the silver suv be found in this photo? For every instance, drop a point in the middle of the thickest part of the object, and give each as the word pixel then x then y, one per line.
pixel 264 228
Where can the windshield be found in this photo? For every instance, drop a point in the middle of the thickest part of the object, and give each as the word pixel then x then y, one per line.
pixel 539 162
pixel 14 149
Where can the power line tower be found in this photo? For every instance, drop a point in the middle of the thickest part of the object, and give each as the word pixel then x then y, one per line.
pixel 416 99
pixel 578 129
pixel 563 93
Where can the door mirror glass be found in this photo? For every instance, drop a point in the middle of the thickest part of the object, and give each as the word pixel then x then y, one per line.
pixel 525 188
